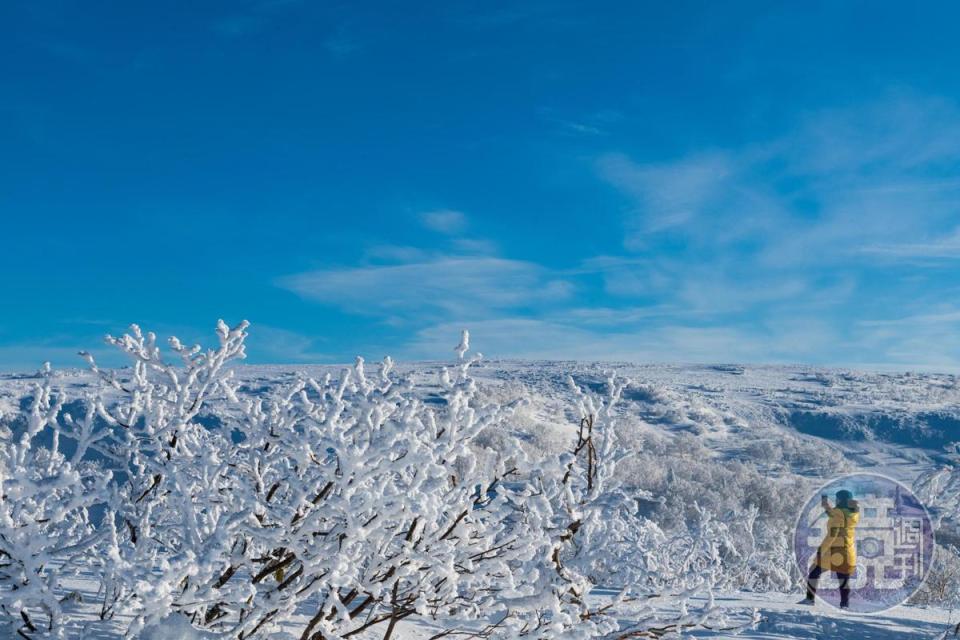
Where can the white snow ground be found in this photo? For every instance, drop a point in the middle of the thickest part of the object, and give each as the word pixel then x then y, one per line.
pixel 781 618
pixel 892 423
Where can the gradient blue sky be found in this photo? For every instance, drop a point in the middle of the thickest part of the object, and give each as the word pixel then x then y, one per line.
pixel 760 182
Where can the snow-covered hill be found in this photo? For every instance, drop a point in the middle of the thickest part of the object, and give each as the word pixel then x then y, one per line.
pixel 895 422
pixel 918 411
pixel 729 437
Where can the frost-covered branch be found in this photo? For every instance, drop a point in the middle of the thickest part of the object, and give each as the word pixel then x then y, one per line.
pixel 174 525
pixel 47 492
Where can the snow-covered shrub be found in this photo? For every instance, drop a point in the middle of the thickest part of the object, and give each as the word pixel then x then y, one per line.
pixel 350 498
pixel 953 631
pixel 679 483
pixel 784 452
pixel 45 499
pixel 600 540
pixel 173 528
pixel 369 507
pixel 939 489
pixel 942 585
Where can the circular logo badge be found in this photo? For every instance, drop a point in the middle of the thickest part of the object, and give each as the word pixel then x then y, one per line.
pixel 864 541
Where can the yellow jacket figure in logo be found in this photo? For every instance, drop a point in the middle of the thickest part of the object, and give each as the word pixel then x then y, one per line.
pixel 838 551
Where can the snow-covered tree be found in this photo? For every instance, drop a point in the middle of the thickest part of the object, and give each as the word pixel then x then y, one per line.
pixel 941 587
pixel 599 540
pixel 173 527
pixel 952 632
pixel 371 504
pixel 939 489
pixel 47 490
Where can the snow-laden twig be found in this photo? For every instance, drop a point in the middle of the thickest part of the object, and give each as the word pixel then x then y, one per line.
pixel 45 529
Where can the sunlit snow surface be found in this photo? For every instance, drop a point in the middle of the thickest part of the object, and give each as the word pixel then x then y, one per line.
pixel 914 409
pixel 800 422
pixel 781 618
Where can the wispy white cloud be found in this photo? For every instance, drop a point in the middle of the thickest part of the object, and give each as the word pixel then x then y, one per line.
pixel 800 227
pixel 396 253
pixel 448 221
pixel 943 248
pixel 590 124
pixel 475 246
pixel 875 176
pixel 899 133
pixel 462 286
pixel 949 317
pixel 619 317
pixel 760 253
pixel 581 128
pixel 277 345
pixel 556 338
pixel 666 196
pixel 921 341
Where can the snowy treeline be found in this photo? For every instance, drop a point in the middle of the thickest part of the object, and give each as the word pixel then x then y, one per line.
pixel 684 481
pixel 338 505
pixel 939 490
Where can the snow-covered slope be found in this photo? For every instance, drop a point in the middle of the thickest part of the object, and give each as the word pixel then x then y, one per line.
pixel 794 425
pixel 916 410
pixel 780 618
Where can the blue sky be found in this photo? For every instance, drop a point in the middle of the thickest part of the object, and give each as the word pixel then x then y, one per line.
pixel 757 182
